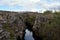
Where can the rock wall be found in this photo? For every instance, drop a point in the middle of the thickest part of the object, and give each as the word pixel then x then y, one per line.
pixel 4 35
pixel 46 28
pixel 12 26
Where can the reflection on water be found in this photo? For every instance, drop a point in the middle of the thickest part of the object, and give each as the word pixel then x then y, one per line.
pixel 28 35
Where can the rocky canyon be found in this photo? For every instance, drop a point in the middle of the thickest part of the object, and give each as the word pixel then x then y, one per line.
pixel 42 26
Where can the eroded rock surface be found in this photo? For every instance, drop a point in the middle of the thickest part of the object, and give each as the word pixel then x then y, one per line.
pixel 13 24
pixel 4 35
pixel 45 28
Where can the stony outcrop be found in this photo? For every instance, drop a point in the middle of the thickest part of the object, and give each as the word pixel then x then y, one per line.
pixel 45 28
pixel 13 25
pixel 19 27
pixel 4 35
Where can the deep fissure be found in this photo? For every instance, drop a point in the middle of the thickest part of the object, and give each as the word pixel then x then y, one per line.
pixel 29 27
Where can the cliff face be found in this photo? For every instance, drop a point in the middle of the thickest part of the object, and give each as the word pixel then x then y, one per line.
pixel 46 27
pixel 19 27
pixel 13 25
pixel 4 35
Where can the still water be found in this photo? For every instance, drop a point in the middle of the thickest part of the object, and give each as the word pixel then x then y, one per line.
pixel 28 35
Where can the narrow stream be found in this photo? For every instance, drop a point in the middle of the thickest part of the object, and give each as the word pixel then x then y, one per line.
pixel 28 35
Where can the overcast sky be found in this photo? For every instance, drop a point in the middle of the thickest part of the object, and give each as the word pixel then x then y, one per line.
pixel 29 5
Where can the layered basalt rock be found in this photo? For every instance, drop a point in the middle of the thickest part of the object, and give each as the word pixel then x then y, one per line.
pixel 46 28
pixel 13 24
pixel 4 35
pixel 19 28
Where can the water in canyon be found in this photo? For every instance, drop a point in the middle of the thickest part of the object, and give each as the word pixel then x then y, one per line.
pixel 28 35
